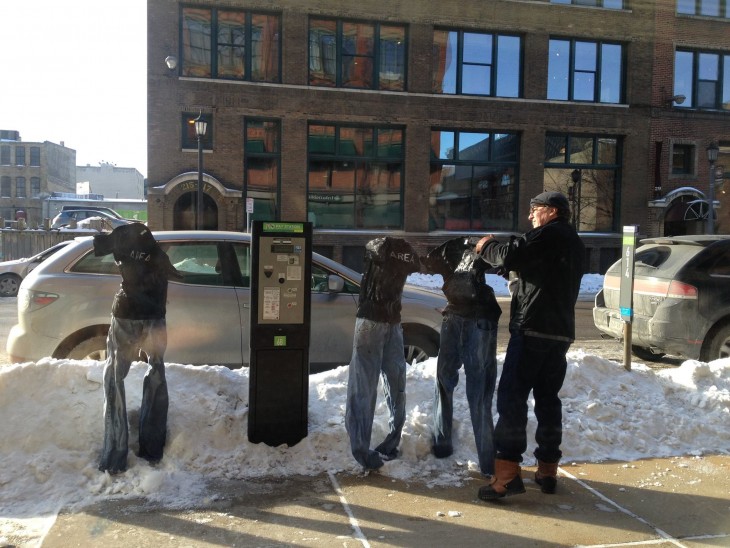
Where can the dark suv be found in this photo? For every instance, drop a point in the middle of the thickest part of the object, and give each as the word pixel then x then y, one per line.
pixel 681 300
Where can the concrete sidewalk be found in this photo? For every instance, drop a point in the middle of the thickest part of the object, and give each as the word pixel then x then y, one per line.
pixel 682 501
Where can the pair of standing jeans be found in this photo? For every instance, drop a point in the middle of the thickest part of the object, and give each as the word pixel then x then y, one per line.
pixel 124 341
pixel 377 352
pixel 536 364
pixel 473 343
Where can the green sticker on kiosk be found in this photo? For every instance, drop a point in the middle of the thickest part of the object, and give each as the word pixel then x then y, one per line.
pixel 279 340
pixel 283 227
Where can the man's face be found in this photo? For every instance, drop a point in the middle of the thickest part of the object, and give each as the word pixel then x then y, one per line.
pixel 541 214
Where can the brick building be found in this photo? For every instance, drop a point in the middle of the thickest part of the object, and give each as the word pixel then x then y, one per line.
pixel 432 119
pixel 29 173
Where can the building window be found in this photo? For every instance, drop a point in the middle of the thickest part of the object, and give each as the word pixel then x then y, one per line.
pixel 230 44
pixel 262 158
pixel 355 176
pixel 473 180
pixel 474 63
pixel 703 78
pixel 5 155
pixel 357 54
pixel 20 187
pixel 587 169
pixel 189 139
pixel 708 8
pixel 589 71
pixel 35 187
pixel 608 4
pixel 683 159
pixel 19 156
pixel 35 156
pixel 5 187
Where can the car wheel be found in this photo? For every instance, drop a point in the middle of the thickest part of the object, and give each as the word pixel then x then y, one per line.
pixel 717 344
pixel 93 348
pixel 418 347
pixel 646 354
pixel 9 284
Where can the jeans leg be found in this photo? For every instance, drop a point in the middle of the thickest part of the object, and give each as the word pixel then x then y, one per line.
pixel 393 371
pixel 121 341
pixel 480 367
pixel 510 434
pixel 155 401
pixel 362 387
pixel 447 377
pixel 548 407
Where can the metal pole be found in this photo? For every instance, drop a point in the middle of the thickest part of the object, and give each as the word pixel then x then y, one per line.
pixel 711 200
pixel 199 193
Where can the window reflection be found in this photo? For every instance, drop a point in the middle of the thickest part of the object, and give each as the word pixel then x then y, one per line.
pixel 246 44
pixel 473 180
pixel 575 74
pixel 352 183
pixel 261 163
pixel 586 169
pixel 476 63
pixel 356 54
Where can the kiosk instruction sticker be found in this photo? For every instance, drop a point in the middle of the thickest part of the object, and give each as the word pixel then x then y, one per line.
pixel 272 303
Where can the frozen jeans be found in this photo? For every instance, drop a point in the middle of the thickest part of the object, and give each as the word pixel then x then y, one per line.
pixel 123 343
pixel 377 351
pixel 472 342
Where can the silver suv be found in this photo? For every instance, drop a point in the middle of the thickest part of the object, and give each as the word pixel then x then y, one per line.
pixel 64 305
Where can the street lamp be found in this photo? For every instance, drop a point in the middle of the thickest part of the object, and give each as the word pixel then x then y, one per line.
pixel 712 151
pixel 576 176
pixel 200 127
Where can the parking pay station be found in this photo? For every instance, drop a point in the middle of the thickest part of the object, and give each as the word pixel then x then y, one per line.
pixel 281 273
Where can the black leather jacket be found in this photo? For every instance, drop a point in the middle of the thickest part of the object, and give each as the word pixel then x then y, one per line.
pixel 549 262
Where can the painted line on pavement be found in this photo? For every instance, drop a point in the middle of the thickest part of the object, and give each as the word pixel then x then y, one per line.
pixel 358 534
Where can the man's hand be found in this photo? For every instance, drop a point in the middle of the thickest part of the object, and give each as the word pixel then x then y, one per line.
pixel 481 243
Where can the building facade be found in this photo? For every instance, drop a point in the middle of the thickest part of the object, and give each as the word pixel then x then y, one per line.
pixel 111 181
pixel 29 173
pixel 429 120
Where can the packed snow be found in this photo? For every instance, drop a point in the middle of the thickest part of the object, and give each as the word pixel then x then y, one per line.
pixel 51 428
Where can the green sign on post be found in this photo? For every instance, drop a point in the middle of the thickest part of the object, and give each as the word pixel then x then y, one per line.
pixel 626 289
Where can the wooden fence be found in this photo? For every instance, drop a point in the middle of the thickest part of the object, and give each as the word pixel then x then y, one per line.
pixel 17 244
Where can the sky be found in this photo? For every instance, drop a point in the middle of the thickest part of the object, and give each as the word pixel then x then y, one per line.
pixel 75 72
pixel 49 456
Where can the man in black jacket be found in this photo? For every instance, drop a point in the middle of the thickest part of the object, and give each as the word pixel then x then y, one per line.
pixel 468 337
pixel 549 263
pixel 138 315
pixel 378 350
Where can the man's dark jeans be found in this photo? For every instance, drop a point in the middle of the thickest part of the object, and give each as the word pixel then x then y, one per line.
pixel 534 364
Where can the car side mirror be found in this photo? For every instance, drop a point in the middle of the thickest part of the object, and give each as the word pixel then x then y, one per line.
pixel 335 283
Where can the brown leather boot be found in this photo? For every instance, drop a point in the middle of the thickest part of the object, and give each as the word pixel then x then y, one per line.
pixel 507 481
pixel 546 476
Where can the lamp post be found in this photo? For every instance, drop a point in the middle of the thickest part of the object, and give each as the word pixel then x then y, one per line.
pixel 712 150
pixel 576 176
pixel 200 127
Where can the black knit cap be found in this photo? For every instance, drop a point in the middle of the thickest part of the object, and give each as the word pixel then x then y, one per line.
pixel 552 199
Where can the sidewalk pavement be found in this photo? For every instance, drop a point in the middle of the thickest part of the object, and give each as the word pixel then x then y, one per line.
pixel 658 502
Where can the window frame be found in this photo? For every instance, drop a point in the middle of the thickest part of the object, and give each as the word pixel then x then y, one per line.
pixel 696 7
pixel 188 140
pixel 598 71
pixel 690 159
pixel 493 63
pixel 379 63
pixel 572 145
pixel 695 89
pixel 264 155
pixel 380 158
pixel 214 45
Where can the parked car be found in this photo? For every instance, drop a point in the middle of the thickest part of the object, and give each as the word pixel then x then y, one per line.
pixel 64 306
pixel 13 272
pixel 67 216
pixel 681 298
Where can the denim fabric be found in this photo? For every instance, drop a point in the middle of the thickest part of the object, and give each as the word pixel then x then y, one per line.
pixel 377 352
pixel 473 343
pixel 124 340
pixel 534 364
